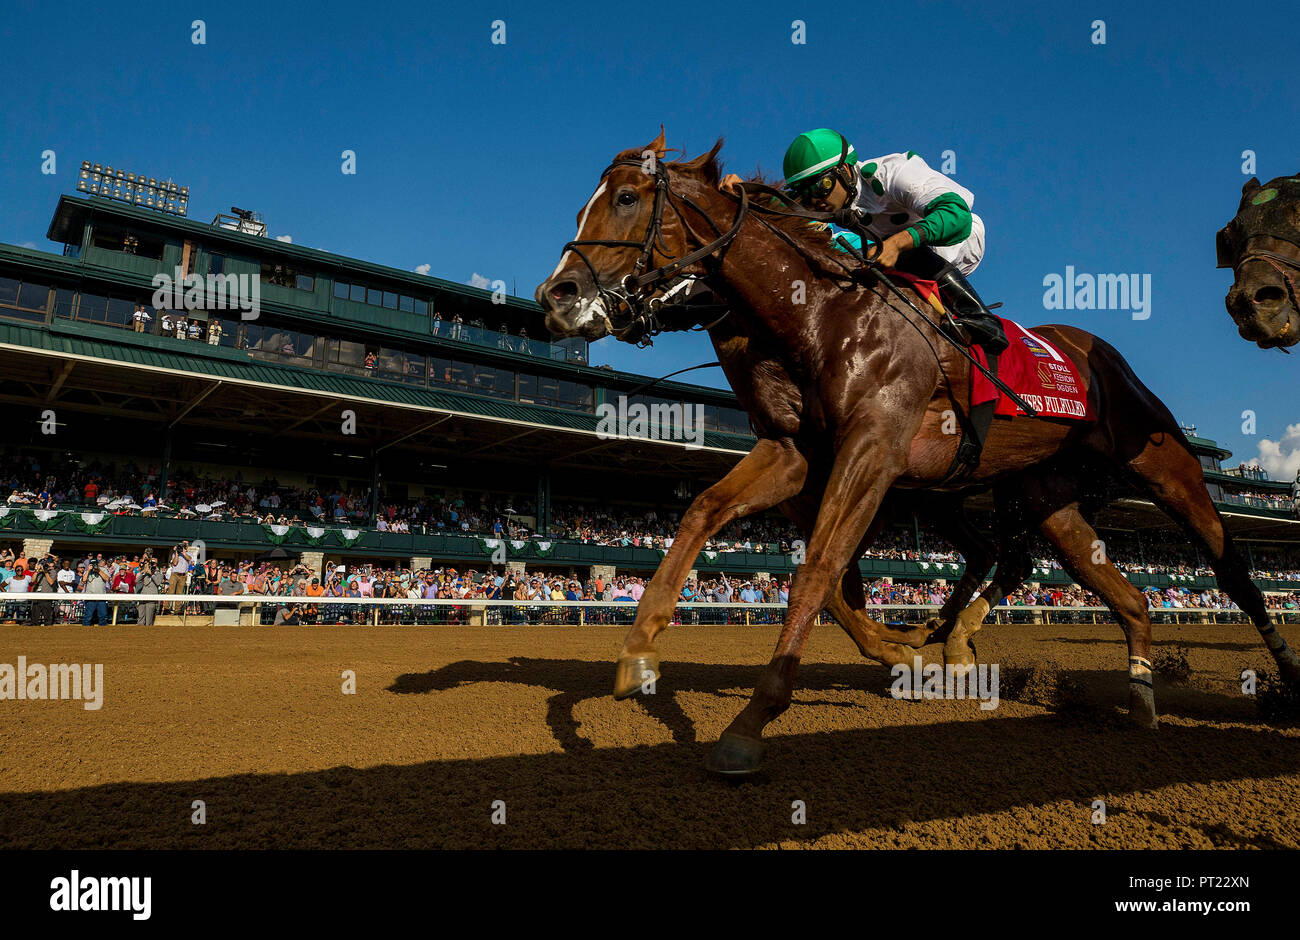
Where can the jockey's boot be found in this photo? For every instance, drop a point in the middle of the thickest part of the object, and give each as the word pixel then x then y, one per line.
pixel 969 311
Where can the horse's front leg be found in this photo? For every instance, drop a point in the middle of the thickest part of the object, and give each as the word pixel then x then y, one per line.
pixel 863 471
pixel 769 474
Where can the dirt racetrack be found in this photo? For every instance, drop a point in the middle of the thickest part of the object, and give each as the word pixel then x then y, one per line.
pixel 446 720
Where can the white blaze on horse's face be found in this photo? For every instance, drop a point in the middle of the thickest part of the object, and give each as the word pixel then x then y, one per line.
pixel 582 223
pixel 587 316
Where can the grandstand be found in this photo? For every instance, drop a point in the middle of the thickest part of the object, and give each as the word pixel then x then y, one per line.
pixel 365 415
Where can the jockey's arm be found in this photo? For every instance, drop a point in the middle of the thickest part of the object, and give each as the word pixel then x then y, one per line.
pixel 946 221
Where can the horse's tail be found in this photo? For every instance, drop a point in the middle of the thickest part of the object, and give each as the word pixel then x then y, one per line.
pixel 1140 436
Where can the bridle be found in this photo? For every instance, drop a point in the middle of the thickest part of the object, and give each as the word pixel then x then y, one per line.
pixel 634 293
pixel 1282 264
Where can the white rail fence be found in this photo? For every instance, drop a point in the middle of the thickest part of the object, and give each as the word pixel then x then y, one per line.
pixel 264 610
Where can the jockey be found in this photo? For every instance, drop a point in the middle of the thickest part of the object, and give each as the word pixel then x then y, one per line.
pixel 923 218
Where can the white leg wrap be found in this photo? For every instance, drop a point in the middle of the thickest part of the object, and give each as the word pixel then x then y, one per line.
pixel 1139 680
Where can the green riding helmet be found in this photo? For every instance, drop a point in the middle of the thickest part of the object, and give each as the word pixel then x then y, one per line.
pixel 812 154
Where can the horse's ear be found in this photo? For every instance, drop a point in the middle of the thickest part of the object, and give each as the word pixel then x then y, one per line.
pixel 658 145
pixel 1251 185
pixel 705 164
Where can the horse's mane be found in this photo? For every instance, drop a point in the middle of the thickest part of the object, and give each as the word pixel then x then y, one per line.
pixel 811 238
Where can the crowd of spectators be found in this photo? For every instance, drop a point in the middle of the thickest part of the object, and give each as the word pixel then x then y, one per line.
pixel 130 489
pixel 305 595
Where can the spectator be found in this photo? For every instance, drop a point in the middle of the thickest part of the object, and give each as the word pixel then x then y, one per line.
pixel 149 581
pixel 95 580
pixel 178 570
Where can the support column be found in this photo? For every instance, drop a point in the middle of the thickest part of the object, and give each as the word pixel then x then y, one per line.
pixel 315 561
pixel 544 501
pixel 166 461
pixel 374 486
pixel 36 549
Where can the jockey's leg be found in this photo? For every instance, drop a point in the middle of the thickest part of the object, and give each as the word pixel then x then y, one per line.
pixel 962 299
pixel 969 310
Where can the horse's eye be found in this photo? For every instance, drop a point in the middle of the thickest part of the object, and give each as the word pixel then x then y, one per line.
pixel 627 199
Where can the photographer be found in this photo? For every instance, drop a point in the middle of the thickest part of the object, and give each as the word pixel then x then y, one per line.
pixel 46 583
pixel 95 581
pixel 178 570
pixel 148 581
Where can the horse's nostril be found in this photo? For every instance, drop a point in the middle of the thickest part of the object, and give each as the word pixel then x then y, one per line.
pixel 1269 295
pixel 564 292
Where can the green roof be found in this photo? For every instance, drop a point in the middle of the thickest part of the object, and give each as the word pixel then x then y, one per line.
pixel 230 365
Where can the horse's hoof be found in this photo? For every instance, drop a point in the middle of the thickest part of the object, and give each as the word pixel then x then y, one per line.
pixel 734 756
pixel 636 673
pixel 959 653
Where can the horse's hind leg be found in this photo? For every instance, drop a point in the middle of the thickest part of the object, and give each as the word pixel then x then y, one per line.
pixel 1174 478
pixel 949 516
pixel 1013 566
pixel 1055 502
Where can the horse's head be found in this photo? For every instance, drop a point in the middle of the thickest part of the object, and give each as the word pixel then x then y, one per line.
pixel 1262 245
pixel 632 223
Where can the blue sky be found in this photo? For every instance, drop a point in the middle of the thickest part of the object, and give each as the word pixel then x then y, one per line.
pixel 474 157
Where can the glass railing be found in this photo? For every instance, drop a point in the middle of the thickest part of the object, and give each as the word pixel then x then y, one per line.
pixel 568 350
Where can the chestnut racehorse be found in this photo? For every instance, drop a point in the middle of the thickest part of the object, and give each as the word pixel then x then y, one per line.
pixel 847 391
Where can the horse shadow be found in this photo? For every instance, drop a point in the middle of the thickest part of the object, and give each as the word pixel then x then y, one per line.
pixel 1089 696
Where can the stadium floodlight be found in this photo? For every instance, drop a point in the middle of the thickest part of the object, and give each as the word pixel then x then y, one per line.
pixel 134 188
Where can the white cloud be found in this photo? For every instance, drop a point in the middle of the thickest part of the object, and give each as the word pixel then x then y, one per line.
pixel 1281 459
pixel 284 238
pixel 28 245
pixel 423 268
pixel 478 280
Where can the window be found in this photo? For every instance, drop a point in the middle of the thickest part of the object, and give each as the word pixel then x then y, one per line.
pixel 286 275
pixel 23 300
pixel 119 312
pixel 92 307
pixel 128 242
pixel 528 389
pixel 63 301
pixel 548 391
pixel 378 297
pixel 575 395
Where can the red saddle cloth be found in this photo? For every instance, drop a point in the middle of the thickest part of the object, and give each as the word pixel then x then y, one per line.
pixel 1036 371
